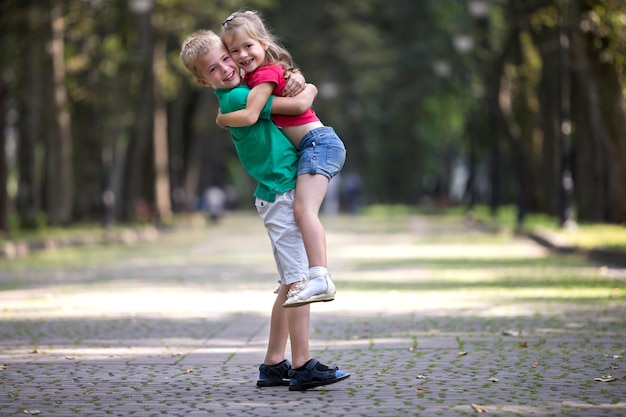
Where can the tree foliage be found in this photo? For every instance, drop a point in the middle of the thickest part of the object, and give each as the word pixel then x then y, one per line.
pixel 433 102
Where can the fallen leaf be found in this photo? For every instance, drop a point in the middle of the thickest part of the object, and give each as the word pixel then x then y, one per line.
pixel 605 378
pixel 419 389
pixel 534 364
pixel 190 371
pixel 617 357
pixel 379 373
pixel 614 367
pixel 478 409
pixel 421 377
pixel 462 353
pixel 513 333
pixel 494 379
pixel 33 412
pixel 4 366
pixel 69 358
pixel 523 345
pixel 33 351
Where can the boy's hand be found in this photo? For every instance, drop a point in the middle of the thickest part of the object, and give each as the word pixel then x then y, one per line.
pixel 295 84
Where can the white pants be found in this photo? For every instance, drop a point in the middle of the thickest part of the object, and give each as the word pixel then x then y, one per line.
pixel 284 233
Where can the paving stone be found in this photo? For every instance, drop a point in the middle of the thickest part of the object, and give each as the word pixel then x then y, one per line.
pixel 432 318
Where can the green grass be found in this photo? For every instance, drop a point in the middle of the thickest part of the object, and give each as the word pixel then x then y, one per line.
pixel 589 236
pixel 583 236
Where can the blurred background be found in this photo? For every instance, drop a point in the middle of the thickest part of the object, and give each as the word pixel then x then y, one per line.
pixel 447 103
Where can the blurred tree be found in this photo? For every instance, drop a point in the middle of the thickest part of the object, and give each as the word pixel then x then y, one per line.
pixel 418 91
pixel 601 47
pixel 59 178
pixel 4 203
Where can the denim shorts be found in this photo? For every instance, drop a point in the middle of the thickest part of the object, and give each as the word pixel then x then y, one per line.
pixel 321 151
pixel 287 244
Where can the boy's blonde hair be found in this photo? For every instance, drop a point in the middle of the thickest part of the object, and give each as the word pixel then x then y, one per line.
pixel 196 46
pixel 252 23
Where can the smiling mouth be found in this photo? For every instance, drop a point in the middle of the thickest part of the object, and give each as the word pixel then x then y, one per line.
pixel 230 76
pixel 246 62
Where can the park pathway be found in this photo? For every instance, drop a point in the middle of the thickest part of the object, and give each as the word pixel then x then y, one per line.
pixel 432 318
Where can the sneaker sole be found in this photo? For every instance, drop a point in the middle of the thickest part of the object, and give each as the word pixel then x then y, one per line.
pixel 264 383
pixel 308 385
pixel 315 299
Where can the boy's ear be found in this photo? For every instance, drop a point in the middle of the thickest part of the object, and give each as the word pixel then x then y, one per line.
pixel 202 82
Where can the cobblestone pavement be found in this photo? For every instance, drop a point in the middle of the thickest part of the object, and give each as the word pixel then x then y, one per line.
pixel 431 318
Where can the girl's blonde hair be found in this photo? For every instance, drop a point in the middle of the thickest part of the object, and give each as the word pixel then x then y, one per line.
pixel 251 22
pixel 196 46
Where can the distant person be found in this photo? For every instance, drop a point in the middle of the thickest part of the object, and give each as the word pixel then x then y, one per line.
pixel 332 201
pixel 321 152
pixel 272 160
pixel 214 202
pixel 353 186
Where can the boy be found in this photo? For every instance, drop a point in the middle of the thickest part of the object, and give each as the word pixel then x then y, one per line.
pixel 269 158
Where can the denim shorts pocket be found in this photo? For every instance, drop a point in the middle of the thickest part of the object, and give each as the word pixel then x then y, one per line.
pixel 335 158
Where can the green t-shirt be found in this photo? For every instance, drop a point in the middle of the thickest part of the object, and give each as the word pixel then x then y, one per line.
pixel 263 149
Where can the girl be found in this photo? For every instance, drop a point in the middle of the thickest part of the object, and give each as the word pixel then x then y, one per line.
pixel 321 152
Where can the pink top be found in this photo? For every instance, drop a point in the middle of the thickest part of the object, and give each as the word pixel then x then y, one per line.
pixel 276 74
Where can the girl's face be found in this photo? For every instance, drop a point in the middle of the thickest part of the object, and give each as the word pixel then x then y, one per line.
pixel 248 53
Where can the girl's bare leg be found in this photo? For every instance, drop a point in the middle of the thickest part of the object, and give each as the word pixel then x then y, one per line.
pixel 310 192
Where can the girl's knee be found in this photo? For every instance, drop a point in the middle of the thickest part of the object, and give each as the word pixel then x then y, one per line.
pixel 299 212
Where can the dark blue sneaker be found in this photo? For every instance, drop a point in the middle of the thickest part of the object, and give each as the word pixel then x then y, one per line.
pixel 274 375
pixel 313 374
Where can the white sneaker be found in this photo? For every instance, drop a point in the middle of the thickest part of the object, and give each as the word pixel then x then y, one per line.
pixel 311 290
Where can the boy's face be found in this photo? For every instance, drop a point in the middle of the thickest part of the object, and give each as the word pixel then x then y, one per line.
pixel 218 70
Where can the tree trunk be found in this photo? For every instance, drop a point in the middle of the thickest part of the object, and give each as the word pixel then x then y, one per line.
pixel 136 201
pixel 59 176
pixel 161 152
pixel 28 199
pixel 590 138
pixel 4 92
pixel 613 109
pixel 88 161
pixel 4 203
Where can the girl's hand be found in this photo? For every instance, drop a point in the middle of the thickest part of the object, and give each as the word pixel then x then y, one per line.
pixel 295 83
pixel 217 119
